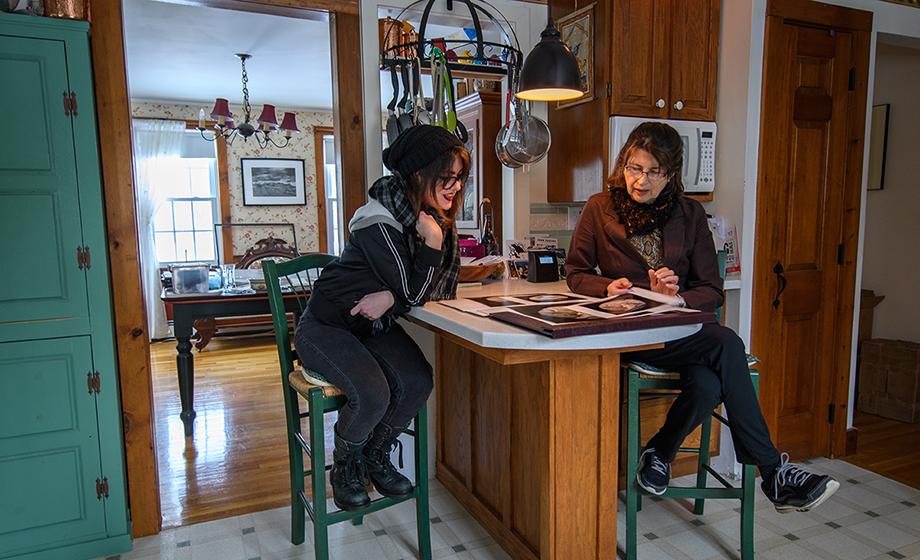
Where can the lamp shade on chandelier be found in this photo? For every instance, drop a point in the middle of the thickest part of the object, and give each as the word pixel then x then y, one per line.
pixel 264 126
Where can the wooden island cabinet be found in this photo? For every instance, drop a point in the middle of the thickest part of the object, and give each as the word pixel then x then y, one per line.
pixel 528 427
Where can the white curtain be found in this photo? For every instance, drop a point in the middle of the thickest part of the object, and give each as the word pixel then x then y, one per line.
pixel 155 141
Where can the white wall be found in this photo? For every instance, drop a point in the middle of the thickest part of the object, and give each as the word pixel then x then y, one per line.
pixel 890 258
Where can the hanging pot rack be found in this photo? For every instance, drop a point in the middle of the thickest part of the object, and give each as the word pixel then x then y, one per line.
pixel 506 64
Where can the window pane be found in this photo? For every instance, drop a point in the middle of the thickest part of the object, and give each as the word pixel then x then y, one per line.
pixel 200 178
pixel 185 246
pixel 183 213
pixel 162 221
pixel 329 180
pixel 204 216
pixel 204 245
pixel 166 250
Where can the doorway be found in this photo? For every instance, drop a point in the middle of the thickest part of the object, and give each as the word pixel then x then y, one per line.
pixel 235 459
pixel 887 415
pixel 812 123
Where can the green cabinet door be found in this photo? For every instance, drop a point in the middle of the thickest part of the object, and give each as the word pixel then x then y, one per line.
pixel 49 446
pixel 43 286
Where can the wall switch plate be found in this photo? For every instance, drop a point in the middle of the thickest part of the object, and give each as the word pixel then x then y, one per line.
pixel 574 213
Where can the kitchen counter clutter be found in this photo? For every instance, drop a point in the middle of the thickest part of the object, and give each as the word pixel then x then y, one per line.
pixel 528 426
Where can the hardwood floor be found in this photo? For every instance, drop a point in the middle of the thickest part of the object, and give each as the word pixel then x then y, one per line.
pixel 887 447
pixel 237 460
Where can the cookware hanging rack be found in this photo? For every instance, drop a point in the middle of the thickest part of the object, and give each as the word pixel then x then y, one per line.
pixel 509 53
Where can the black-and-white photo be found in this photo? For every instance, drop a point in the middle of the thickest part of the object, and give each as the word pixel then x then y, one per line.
pixel 273 182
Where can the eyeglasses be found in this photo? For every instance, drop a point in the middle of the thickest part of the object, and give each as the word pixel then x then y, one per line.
pixel 448 182
pixel 652 174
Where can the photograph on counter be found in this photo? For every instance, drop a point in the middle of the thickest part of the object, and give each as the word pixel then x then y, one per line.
pixel 555 314
pixel 489 304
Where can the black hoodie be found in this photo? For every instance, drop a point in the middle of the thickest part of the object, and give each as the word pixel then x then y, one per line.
pixel 379 255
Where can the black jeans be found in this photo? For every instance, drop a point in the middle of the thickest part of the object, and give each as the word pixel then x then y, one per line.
pixel 385 377
pixel 713 366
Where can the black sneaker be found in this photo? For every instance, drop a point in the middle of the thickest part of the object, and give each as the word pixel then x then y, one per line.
pixel 654 474
pixel 795 489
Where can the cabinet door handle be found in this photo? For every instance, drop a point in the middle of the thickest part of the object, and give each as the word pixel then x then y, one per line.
pixel 660 103
pixel 781 280
pixel 679 105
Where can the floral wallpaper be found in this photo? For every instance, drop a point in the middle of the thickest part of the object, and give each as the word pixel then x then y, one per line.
pixel 301 146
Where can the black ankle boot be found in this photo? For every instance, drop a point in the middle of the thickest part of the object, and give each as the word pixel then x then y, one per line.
pixel 381 471
pixel 348 475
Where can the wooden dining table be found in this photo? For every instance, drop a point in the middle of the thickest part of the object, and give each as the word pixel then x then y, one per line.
pixel 187 308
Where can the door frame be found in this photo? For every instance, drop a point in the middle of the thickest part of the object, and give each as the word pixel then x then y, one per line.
pixel 859 23
pixel 114 123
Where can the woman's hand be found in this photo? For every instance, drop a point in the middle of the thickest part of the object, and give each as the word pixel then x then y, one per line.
pixel 373 306
pixel 429 230
pixel 618 286
pixel 663 281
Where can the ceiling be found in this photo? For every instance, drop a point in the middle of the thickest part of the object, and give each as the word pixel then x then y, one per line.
pixel 185 53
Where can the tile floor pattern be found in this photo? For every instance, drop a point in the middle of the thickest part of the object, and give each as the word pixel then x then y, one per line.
pixel 870 517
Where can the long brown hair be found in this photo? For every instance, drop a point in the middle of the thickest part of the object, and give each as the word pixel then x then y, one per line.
pixel 423 184
pixel 665 145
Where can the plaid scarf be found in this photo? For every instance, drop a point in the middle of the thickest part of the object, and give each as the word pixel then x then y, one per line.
pixel 390 191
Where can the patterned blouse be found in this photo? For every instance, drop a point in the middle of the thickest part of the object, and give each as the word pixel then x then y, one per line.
pixel 651 247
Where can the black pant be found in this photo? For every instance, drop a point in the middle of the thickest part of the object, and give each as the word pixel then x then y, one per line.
pixel 713 366
pixel 385 377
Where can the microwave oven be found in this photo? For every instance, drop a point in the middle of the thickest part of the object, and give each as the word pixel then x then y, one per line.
pixel 699 148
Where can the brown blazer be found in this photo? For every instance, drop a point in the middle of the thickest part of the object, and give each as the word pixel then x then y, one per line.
pixel 599 242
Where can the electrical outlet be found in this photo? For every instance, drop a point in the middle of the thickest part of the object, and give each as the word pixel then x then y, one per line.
pixel 574 213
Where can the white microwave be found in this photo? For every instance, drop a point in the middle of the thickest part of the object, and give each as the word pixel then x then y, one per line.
pixel 699 149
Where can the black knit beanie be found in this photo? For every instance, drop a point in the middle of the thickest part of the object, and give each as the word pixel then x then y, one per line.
pixel 416 147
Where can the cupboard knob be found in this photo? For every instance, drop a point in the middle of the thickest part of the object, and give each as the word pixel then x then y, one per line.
pixel 679 105
pixel 660 103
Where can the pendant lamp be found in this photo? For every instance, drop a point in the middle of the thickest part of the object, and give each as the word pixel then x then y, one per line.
pixel 550 72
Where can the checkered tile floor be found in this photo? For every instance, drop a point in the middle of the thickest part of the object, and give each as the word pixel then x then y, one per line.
pixel 870 517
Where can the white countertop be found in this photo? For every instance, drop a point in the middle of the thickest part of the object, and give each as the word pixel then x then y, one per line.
pixel 490 333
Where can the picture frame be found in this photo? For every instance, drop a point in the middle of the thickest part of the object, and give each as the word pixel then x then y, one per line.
pixel 273 182
pixel 577 31
pixel 468 215
pixel 878 147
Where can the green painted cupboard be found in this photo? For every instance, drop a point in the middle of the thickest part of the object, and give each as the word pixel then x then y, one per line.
pixel 62 480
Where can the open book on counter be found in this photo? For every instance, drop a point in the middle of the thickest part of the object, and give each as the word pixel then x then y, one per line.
pixel 568 314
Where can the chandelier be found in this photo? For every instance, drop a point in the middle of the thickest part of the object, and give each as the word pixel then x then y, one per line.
pixel 266 123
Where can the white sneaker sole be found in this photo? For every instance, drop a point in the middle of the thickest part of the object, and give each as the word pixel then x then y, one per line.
pixel 649 489
pixel 829 490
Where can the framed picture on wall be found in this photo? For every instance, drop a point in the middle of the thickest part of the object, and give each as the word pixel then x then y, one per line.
pixel 878 147
pixel 273 182
pixel 468 215
pixel 577 31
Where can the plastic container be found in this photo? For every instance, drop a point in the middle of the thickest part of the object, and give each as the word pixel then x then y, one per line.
pixel 190 279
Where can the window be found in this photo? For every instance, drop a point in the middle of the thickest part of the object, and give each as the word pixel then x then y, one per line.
pixel 186 188
pixel 335 233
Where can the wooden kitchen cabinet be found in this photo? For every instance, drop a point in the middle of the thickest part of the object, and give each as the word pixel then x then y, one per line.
pixel 664 59
pixel 481 113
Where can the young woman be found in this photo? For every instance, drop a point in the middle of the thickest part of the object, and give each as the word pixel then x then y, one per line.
pixel 402 251
pixel 644 232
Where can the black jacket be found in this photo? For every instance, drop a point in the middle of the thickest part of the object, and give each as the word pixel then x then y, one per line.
pixel 379 256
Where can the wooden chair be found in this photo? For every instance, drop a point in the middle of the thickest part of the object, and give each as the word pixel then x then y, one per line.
pixel 300 273
pixel 644 379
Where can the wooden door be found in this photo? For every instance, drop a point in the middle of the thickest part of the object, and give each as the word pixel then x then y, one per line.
pixel 640 58
pixel 49 446
pixel 44 291
pixel 803 166
pixel 694 56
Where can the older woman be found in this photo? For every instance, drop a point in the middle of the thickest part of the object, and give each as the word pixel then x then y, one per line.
pixel 644 232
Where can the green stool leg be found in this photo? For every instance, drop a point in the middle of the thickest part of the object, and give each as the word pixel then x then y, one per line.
pixel 318 479
pixel 632 458
pixel 705 436
pixel 422 516
pixel 298 518
pixel 748 481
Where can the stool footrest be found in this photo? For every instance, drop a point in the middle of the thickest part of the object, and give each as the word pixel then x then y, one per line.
pixel 705 493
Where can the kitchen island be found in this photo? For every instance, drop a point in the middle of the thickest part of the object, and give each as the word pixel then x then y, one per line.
pixel 528 426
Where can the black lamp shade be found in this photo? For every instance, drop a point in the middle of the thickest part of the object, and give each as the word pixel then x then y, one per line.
pixel 550 72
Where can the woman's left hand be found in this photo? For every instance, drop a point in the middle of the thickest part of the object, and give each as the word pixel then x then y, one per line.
pixel 373 306
pixel 664 281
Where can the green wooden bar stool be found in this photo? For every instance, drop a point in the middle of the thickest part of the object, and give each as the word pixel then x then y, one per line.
pixel 297 277
pixel 641 378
